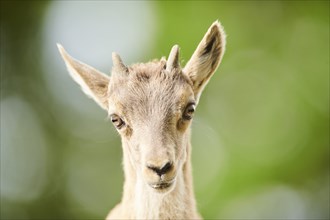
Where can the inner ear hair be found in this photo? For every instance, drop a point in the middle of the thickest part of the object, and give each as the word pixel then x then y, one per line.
pixel 206 58
pixel 213 48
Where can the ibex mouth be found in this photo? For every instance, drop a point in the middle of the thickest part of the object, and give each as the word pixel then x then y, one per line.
pixel 162 185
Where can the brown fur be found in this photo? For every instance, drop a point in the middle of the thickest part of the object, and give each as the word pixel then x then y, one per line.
pixel 152 100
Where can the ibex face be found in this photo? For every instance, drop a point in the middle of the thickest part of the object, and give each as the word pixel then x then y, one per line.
pixel 152 105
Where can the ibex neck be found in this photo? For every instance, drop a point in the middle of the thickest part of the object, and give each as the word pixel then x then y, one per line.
pixel 144 203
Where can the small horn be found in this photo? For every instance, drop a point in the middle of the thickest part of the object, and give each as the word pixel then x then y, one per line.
pixel 173 59
pixel 118 63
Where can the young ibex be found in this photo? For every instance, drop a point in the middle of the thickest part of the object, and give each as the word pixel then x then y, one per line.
pixel 152 106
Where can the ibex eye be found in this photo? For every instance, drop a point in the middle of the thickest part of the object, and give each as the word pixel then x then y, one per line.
pixel 189 111
pixel 117 121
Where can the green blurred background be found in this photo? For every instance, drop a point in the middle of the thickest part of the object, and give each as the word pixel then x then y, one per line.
pixel 260 135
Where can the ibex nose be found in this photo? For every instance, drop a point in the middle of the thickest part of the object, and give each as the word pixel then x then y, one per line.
pixel 160 170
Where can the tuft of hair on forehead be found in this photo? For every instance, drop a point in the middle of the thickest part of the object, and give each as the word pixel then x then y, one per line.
pixel 156 70
pixel 144 71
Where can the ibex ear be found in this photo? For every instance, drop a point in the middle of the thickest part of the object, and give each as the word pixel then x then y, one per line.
pixel 93 82
pixel 206 58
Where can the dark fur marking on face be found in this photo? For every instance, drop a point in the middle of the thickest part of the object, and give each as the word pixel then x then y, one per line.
pixel 128 132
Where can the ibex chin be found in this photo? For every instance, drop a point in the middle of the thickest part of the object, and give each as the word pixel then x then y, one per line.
pixel 152 105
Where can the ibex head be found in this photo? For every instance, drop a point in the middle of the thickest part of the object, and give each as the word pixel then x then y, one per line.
pixel 152 105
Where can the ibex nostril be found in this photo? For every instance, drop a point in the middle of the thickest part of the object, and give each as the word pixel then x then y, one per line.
pixel 160 171
pixel 166 167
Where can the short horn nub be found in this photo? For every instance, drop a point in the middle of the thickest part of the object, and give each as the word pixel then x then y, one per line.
pixel 173 59
pixel 118 64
